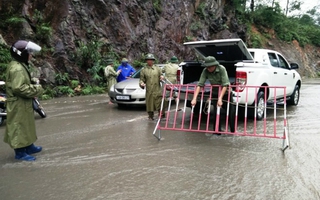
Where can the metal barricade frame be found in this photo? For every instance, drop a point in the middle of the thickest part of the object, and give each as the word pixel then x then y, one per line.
pixel 205 95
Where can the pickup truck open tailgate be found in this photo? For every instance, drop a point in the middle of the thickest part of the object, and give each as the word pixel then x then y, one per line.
pixel 225 50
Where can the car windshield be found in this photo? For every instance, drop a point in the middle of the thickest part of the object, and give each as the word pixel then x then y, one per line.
pixel 136 74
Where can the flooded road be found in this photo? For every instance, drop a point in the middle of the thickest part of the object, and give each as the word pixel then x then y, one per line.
pixel 93 150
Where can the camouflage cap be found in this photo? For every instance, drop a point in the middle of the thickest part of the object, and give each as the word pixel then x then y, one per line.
pixel 174 59
pixel 150 56
pixel 124 60
pixel 109 61
pixel 210 61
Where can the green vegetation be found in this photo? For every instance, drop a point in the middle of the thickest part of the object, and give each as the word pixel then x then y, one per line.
pixel 89 57
pixel 62 78
pixel 74 83
pixel 48 93
pixel 201 12
pixel 64 90
pixel 43 29
pixel 196 25
pixel 89 89
pixel 88 54
pixel 302 28
pixel 157 5
pixel 15 20
pixel 188 38
pixel 96 72
pixel 5 58
pixel 139 63
pixel 256 40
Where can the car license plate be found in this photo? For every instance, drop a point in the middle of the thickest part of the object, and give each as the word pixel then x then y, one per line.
pixel 123 97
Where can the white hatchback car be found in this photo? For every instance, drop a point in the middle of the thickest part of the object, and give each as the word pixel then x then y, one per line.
pixel 128 91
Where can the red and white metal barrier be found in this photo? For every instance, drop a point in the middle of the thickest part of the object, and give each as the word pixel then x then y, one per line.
pixel 254 111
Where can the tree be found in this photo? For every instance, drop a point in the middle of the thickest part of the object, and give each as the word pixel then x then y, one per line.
pixel 287 7
pixel 294 6
pixel 306 20
pixel 252 5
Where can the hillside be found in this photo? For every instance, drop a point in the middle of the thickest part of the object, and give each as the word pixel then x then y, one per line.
pixel 129 29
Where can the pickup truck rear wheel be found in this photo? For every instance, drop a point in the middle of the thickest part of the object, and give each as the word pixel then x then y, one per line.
pixel 294 98
pixel 260 107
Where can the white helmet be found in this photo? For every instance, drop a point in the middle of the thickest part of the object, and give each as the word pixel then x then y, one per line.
pixel 21 49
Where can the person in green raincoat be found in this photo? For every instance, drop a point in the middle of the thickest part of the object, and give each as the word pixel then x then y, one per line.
pixel 20 131
pixel 150 78
pixel 110 74
pixel 170 70
pixel 170 73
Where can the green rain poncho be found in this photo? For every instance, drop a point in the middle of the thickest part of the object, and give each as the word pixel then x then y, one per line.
pixel 20 123
pixel 111 76
pixel 170 71
pixel 151 77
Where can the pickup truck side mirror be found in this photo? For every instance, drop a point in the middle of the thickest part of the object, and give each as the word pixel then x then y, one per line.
pixel 294 65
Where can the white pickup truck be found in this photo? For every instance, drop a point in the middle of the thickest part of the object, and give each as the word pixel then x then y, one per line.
pixel 247 67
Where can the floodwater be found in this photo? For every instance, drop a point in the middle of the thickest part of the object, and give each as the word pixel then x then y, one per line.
pixel 93 150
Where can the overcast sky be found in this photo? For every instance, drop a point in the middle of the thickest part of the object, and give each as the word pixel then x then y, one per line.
pixel 306 5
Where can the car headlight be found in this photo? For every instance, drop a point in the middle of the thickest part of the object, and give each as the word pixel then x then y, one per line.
pixel 139 91
pixel 112 88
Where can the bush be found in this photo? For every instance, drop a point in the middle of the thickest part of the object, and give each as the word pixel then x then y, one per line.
pixel 62 78
pixel 64 90
pixel 74 83
pixel 88 54
pixel 48 93
pixel 5 58
pixel 88 90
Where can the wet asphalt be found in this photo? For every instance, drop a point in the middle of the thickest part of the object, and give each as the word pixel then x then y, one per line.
pixel 94 150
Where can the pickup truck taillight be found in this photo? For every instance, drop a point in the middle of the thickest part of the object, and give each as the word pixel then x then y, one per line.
pixel 241 81
pixel 178 75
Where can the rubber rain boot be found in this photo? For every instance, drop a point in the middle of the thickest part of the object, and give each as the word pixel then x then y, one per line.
pixel 151 116
pixel 163 115
pixel 22 155
pixel 33 149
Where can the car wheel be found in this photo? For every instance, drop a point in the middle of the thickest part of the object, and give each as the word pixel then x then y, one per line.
pixel 294 98
pixel 260 107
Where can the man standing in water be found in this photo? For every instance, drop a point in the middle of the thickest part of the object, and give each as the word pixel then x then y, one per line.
pixel 170 72
pixel 150 78
pixel 111 75
pixel 20 127
pixel 217 75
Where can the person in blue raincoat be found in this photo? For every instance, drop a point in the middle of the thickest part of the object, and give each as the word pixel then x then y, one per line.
pixel 126 70
pixel 20 131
